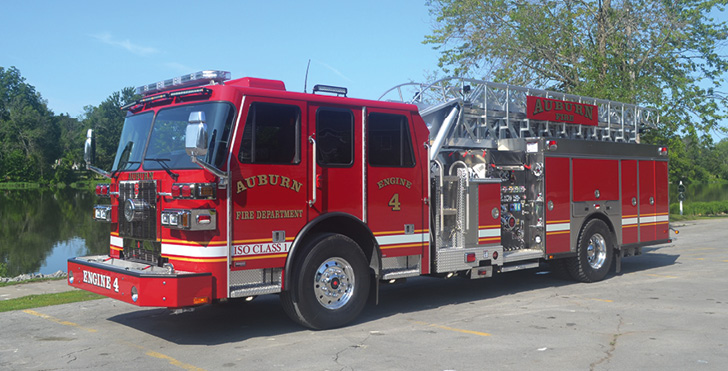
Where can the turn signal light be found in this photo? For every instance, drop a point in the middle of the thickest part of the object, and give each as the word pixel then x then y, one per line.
pixel 206 191
pixel 662 151
pixel 102 190
pixel 198 301
pixel 551 145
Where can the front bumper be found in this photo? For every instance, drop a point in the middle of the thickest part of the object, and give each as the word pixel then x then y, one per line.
pixel 138 283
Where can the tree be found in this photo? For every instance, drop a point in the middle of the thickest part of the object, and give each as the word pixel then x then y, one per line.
pixel 107 120
pixel 28 133
pixel 659 53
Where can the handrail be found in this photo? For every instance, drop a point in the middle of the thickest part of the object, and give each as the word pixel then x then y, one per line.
pixel 313 175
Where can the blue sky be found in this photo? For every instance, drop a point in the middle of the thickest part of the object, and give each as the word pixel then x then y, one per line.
pixel 76 53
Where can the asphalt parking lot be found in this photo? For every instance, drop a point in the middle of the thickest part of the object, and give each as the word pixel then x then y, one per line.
pixel 668 310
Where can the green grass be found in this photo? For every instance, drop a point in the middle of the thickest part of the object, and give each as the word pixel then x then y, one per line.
pixel 44 300
pixel 701 209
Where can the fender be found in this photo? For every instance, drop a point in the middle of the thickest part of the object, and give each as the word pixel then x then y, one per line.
pixel 353 228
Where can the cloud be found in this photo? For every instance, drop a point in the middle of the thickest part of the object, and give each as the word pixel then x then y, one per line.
pixel 179 67
pixel 334 70
pixel 106 38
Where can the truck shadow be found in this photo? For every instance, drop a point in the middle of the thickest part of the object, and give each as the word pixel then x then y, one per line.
pixel 263 317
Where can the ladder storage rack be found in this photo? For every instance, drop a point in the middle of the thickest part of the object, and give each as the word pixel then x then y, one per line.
pixel 468 113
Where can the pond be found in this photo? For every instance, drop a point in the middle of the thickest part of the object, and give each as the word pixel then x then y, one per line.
pixel 42 228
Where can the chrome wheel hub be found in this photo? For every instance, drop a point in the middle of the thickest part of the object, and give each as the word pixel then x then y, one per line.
pixel 596 252
pixel 333 283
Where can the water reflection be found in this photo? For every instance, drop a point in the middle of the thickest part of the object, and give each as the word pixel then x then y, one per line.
pixel 41 228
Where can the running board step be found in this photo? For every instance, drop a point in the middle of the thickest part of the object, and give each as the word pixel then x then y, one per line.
pixel 518 267
pixel 401 274
pixel 253 290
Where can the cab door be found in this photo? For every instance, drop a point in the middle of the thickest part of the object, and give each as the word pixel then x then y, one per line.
pixel 335 131
pixel 395 187
pixel 269 185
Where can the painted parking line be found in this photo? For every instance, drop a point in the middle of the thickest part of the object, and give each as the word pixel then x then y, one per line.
pixel 150 353
pixel 452 329
pixel 173 361
pixel 602 300
pixel 659 275
pixel 58 321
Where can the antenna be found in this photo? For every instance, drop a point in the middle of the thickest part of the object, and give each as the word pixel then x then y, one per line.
pixel 305 80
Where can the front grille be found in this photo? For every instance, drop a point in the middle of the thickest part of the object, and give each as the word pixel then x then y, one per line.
pixel 144 226
pixel 143 251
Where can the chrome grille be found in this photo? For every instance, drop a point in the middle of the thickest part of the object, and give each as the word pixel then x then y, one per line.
pixel 144 225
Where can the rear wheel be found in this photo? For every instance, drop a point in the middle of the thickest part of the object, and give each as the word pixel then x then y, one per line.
pixel 594 252
pixel 329 287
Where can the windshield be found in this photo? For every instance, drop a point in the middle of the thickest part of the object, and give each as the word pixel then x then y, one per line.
pixel 167 141
pixel 131 146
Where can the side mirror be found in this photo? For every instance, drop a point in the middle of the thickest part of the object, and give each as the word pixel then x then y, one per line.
pixel 196 135
pixel 88 148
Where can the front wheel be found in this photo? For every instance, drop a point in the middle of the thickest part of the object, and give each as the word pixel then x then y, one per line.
pixel 330 287
pixel 594 251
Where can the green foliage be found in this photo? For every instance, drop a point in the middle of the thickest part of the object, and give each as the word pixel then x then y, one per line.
pixel 38 146
pixel 107 120
pixel 658 54
pixel 28 132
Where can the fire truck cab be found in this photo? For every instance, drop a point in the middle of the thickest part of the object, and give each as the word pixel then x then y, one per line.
pixel 225 189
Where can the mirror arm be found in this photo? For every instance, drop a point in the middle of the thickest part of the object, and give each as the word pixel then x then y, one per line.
pixel 215 171
pixel 96 170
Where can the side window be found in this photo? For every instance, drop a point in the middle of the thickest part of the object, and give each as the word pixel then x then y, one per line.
pixel 271 134
pixel 389 142
pixel 335 137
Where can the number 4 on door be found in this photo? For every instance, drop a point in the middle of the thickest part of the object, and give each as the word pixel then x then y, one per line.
pixel 394 202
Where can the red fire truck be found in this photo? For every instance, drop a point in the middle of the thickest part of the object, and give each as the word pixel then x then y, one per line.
pixel 224 189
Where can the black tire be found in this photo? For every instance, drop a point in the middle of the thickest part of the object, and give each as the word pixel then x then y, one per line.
pixel 329 287
pixel 594 252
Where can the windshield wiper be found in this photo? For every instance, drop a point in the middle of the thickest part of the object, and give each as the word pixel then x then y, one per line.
pixel 126 164
pixel 163 163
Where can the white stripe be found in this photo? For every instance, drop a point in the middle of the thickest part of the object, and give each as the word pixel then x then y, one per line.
pixel 493 232
pixel 648 219
pixel 400 239
pixel 629 221
pixel 116 241
pixel 194 250
pixel 558 227
pixel 663 218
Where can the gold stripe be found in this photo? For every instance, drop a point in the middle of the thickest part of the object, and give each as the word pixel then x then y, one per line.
pixel 559 221
pixel 116 248
pixel 194 243
pixel 196 260
pixel 489 226
pixel 488 239
pixel 629 226
pixel 398 233
pixel 630 216
pixel 401 245
pixel 557 232
pixel 254 257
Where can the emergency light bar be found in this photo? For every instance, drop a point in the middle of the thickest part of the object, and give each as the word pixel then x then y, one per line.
pixel 192 79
